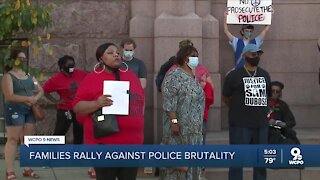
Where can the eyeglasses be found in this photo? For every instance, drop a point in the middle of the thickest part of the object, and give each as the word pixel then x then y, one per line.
pixel 276 91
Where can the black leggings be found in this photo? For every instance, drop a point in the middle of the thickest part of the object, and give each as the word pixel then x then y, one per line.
pixel 63 123
pixel 111 173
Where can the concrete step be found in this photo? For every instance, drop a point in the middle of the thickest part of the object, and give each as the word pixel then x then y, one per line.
pixel 305 135
pixel 272 174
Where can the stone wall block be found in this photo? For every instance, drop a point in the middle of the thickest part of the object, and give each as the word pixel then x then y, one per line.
pixel 306 116
pixel 210 27
pixel 170 30
pixel 167 25
pixel 203 7
pixel 144 51
pixel 143 7
pixel 49 63
pixel 139 21
pixel 290 56
pixel 91 19
pixel 175 7
pixel 214 119
pixel 210 54
pixel 216 80
pixel 299 88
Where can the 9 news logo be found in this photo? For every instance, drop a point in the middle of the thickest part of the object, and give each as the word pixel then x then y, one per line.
pixel 297 157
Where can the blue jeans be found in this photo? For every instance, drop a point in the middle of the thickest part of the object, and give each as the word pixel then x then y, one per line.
pixel 239 135
pixel 18 114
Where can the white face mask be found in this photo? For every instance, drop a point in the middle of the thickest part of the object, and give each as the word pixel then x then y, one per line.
pixel 193 62
pixel 128 54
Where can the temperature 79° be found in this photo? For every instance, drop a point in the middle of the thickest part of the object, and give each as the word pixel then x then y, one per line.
pixel 269 160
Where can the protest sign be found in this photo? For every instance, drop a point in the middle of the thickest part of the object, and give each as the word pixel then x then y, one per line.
pixel 249 12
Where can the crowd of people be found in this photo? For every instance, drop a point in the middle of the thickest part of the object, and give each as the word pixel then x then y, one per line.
pixel 257 114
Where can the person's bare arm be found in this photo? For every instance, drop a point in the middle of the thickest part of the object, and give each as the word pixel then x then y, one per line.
pixel 143 82
pixel 226 100
pixel 225 27
pixel 263 33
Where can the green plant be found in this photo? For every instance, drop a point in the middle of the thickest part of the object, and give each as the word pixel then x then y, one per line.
pixel 20 18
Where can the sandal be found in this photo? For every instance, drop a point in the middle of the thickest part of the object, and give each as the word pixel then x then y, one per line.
pixel 30 173
pixel 92 173
pixel 11 176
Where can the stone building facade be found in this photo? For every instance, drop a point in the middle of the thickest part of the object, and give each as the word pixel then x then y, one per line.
pixel 291 53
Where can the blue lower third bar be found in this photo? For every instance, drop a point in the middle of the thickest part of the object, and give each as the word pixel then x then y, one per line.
pixel 273 156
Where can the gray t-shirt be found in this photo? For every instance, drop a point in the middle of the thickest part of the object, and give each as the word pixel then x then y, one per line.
pixel 137 66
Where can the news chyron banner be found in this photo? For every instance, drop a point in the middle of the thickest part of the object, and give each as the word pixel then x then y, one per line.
pixel 249 12
pixel 273 156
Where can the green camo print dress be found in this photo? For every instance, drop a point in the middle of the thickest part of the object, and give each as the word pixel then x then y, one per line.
pixel 182 94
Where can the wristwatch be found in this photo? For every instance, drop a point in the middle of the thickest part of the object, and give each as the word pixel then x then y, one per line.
pixel 174 121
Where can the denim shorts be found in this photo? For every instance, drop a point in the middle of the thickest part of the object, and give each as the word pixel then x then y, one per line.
pixel 18 115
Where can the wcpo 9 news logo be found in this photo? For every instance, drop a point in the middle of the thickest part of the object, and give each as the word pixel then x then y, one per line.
pixel 297 157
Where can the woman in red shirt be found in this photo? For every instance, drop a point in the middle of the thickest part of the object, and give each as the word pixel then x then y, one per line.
pixel 65 83
pixel 90 98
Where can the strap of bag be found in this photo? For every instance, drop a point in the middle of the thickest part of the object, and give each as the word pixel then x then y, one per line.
pixel 117 75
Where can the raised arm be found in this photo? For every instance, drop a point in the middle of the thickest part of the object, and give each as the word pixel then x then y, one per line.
pixel 266 28
pixel 264 32
pixel 225 27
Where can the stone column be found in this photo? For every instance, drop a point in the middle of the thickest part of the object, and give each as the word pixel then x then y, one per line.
pixel 158 26
pixel 210 58
pixel 142 31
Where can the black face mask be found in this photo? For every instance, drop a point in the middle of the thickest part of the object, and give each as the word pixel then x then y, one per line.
pixel 253 61
pixel 69 69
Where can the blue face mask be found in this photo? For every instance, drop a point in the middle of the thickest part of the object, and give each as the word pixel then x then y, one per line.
pixel 193 62
pixel 128 54
pixel 247 34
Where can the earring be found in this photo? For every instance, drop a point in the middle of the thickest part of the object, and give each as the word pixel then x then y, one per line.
pixel 127 67
pixel 96 66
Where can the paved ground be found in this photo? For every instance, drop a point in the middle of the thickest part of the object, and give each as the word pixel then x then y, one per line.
pixel 66 173
pixel 57 173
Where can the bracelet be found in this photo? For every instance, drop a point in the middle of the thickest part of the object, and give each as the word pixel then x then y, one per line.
pixel 174 121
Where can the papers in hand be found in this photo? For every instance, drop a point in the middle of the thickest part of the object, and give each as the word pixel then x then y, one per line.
pixel 119 95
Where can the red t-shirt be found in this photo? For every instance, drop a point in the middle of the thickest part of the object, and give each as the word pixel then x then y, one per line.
pixel 208 91
pixel 66 86
pixel 131 126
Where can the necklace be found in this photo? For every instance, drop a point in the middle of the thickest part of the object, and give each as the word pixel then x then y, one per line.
pixel 250 75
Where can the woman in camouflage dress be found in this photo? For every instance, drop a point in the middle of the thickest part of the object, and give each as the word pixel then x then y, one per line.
pixel 183 105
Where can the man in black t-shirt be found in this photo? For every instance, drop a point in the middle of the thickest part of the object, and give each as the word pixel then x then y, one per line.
pixel 246 91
